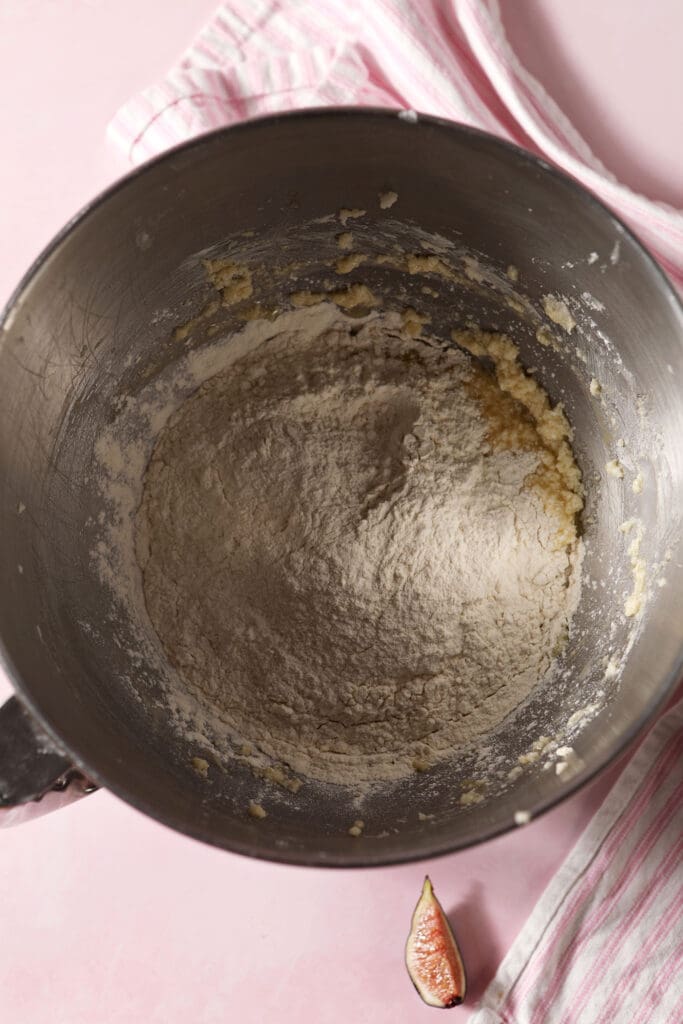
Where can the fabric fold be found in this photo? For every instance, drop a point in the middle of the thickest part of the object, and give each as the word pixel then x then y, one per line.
pixel 444 57
pixel 604 944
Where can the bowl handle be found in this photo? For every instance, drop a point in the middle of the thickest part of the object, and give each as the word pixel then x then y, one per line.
pixel 35 775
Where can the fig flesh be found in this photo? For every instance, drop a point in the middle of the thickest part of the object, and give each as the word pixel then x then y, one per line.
pixel 432 956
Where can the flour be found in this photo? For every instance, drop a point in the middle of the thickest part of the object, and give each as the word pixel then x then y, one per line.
pixel 343 563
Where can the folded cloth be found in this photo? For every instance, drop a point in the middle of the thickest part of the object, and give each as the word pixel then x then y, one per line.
pixel 445 57
pixel 604 944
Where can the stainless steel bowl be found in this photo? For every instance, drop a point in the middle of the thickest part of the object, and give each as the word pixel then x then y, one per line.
pixel 127 269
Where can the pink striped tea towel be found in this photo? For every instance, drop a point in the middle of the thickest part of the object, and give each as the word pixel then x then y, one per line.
pixel 604 944
pixel 444 57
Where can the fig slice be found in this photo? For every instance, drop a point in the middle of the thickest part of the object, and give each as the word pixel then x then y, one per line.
pixel 432 955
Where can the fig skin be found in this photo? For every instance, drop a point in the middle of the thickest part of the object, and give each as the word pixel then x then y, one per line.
pixel 433 959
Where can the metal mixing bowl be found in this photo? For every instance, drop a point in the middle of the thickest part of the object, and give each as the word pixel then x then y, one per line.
pixel 124 272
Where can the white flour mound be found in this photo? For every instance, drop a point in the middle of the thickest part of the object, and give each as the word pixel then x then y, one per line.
pixel 341 563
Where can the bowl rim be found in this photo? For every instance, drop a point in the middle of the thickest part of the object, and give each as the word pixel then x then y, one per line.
pixel 360 857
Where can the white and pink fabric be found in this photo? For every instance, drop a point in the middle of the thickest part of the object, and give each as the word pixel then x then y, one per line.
pixel 445 57
pixel 605 942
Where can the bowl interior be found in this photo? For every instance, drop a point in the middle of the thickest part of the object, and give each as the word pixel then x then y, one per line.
pixel 124 294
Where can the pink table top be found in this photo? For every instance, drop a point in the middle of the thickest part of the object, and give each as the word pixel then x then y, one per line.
pixel 106 916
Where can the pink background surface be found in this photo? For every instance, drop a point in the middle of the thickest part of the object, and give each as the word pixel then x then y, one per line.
pixel 108 917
